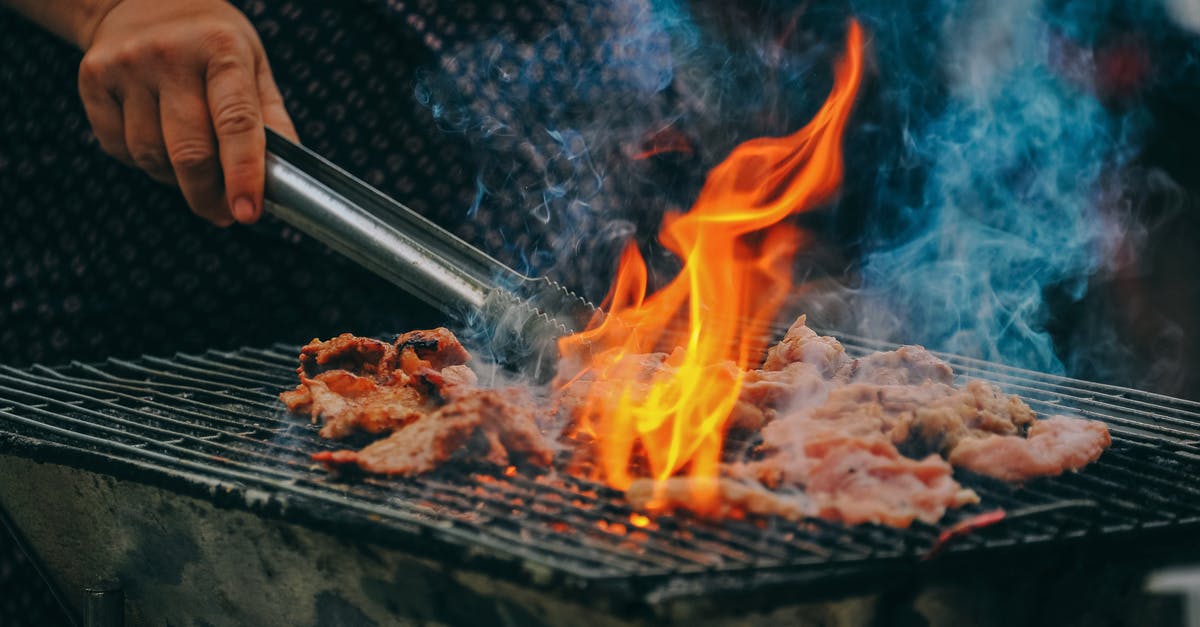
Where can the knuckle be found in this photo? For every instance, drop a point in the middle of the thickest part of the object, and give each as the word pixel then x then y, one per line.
pixel 191 156
pixel 222 65
pixel 162 50
pixel 130 56
pixel 236 117
pixel 93 68
pixel 149 159
pixel 220 39
pixel 134 57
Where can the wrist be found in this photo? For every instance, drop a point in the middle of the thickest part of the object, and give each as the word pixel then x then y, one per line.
pixel 91 15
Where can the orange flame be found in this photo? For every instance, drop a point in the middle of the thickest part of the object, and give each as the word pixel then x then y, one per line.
pixel 664 421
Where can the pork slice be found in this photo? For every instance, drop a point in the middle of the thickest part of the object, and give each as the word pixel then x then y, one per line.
pixel 802 344
pixel 497 426
pixel 361 356
pixel 907 365
pixel 767 392
pixel 734 498
pixel 433 349
pixel 348 403
pixel 354 384
pixel 930 417
pixel 853 473
pixel 866 480
pixel 1052 446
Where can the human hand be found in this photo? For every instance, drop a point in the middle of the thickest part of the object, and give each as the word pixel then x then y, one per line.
pixel 182 89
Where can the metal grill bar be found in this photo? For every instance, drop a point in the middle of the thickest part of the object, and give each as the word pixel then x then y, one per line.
pixel 213 421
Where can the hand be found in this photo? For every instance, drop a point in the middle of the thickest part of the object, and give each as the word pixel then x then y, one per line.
pixel 182 89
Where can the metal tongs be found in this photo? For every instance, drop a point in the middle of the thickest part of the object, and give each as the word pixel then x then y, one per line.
pixel 523 316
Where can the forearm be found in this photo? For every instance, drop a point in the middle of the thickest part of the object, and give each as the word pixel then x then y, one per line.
pixel 72 20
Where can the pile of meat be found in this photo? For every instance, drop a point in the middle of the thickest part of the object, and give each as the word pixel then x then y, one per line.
pixel 420 391
pixel 873 439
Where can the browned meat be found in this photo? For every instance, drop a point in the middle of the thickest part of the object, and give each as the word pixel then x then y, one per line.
pixel 848 479
pixel 1053 446
pixel 803 367
pixel 359 384
pixel 434 349
pixel 907 365
pixel 866 480
pixel 735 499
pixel 854 474
pixel 868 440
pixel 356 355
pixel 802 344
pixel 348 403
pixel 927 418
pixel 977 409
pixel 765 393
pixel 494 425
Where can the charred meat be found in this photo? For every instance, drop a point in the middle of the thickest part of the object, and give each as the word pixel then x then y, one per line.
pixel 350 384
pixel 497 426
pixel 869 440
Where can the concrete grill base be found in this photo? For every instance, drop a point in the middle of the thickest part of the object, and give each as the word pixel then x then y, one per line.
pixel 185 561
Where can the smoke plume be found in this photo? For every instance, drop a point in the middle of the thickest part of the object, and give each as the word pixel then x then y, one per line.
pixel 984 172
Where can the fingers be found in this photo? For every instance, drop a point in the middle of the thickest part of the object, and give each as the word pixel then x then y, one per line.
pixel 274 113
pixel 144 136
pixel 184 96
pixel 236 117
pixel 103 109
pixel 192 147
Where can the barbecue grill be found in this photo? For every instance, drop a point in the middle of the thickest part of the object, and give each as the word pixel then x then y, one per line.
pixel 183 479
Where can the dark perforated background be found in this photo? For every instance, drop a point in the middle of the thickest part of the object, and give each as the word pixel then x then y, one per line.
pixel 98 260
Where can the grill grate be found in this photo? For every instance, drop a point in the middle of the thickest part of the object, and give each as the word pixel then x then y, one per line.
pixel 210 425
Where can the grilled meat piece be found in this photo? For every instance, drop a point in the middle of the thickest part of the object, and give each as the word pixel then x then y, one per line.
pixel 735 498
pixel 1053 446
pixel 498 426
pixel 359 384
pixel 802 344
pixel 767 392
pixel 802 369
pixel 867 440
pixel 927 418
pixel 907 365
pixel 866 480
pixel 854 474
pixel 434 349
pixel 853 480
pixel 349 403
pixel 356 355
pixel 905 393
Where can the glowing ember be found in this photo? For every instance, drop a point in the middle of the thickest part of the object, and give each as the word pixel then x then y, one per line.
pixel 639 520
pixel 737 254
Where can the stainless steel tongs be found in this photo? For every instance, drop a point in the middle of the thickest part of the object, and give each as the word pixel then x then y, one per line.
pixel 523 315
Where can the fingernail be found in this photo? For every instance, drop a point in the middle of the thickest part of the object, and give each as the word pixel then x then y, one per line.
pixel 243 209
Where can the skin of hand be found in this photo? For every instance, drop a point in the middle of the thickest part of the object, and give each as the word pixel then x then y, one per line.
pixel 182 89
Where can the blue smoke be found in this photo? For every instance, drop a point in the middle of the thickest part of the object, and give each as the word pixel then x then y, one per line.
pixel 1013 157
pixel 981 150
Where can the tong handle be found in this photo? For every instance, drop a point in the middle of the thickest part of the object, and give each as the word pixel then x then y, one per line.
pixel 391 240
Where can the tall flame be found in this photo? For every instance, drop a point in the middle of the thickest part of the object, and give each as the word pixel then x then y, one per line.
pixel 737 257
